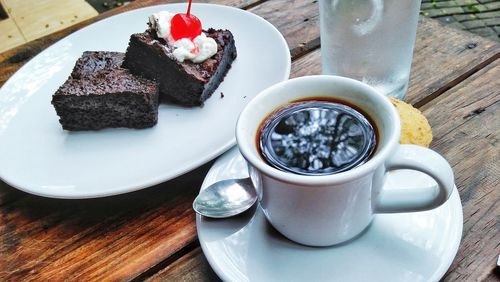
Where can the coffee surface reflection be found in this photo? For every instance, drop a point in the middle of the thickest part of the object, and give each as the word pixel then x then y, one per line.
pixel 315 137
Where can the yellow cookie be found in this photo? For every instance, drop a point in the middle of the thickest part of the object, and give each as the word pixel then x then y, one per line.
pixel 415 128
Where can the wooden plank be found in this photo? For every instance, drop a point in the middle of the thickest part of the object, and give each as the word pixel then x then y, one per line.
pixel 191 267
pixel 10 36
pixel 37 18
pixel 297 20
pixel 466 126
pixel 445 56
pixel 115 238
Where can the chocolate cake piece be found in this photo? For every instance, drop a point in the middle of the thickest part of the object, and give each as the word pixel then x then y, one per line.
pixel 186 83
pixel 100 94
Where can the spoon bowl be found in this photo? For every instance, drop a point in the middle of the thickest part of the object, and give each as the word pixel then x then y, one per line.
pixel 226 198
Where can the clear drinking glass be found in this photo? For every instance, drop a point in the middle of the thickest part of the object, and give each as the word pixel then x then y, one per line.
pixel 370 40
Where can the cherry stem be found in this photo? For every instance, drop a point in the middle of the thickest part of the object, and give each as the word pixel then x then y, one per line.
pixel 189 7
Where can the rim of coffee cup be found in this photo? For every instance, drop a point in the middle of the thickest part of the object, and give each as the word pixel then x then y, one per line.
pixel 248 148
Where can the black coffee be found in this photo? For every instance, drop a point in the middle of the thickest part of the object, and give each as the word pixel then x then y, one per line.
pixel 316 138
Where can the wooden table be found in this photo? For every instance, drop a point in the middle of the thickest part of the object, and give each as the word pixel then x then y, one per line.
pixel 151 234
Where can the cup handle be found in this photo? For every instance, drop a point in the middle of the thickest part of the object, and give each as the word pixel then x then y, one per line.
pixel 418 199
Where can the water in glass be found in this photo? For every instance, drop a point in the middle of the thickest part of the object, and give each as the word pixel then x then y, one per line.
pixel 370 40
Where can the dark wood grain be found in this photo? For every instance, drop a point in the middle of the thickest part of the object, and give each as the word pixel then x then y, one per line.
pixel 466 126
pixel 297 20
pixel 114 238
pixel 3 13
pixel 191 267
pixel 444 57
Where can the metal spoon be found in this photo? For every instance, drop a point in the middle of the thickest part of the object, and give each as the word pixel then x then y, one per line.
pixel 226 198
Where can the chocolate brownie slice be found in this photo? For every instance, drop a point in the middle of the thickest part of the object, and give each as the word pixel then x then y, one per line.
pixel 186 83
pixel 100 94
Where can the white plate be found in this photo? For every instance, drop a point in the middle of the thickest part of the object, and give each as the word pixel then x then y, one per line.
pixel 38 157
pixel 396 247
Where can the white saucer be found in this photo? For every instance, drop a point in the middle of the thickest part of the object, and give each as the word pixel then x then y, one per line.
pixel 396 247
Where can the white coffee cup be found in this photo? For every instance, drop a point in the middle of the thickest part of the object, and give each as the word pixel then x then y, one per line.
pixel 330 209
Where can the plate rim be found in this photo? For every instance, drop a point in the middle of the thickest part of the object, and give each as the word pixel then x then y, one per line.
pixel 156 180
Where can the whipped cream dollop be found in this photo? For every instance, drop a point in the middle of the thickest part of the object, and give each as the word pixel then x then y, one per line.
pixel 197 50
pixel 160 22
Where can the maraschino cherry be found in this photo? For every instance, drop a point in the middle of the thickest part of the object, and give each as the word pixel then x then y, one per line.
pixel 185 25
